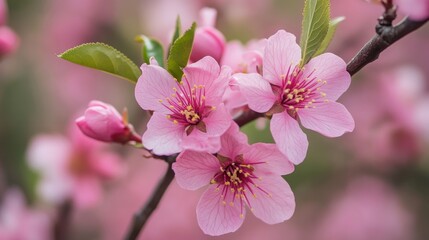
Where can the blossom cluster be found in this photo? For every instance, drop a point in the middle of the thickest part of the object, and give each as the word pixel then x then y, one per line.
pixel 193 116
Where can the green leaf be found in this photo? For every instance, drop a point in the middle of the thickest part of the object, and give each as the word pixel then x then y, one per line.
pixel 177 32
pixel 315 25
pixel 333 24
pixel 103 57
pixel 180 52
pixel 151 48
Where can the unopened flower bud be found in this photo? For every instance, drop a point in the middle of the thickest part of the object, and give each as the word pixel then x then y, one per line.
pixel 208 41
pixel 103 122
pixel 8 41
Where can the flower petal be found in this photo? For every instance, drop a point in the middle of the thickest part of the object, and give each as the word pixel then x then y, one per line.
pixel 206 72
pixel 218 121
pixel 289 137
pixel 201 142
pixel 216 218
pixel 330 119
pixel 195 169
pixel 162 135
pixel 332 69
pixel 273 201
pixel 256 90
pixel 233 142
pixel 274 161
pixel 281 52
pixel 154 84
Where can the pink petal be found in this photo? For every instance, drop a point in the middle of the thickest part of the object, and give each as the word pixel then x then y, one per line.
pixel 332 69
pixel 274 161
pixel 416 9
pixel 199 141
pixel 162 135
pixel 218 121
pixel 233 142
pixel 154 84
pixel 289 137
pixel 256 90
pixel 281 52
pixel 330 119
pixel 207 72
pixel 195 169
pixel 106 165
pixel 273 204
pixel 215 218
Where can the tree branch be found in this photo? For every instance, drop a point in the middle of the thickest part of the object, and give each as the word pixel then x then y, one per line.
pixel 141 217
pixel 387 35
pixel 63 220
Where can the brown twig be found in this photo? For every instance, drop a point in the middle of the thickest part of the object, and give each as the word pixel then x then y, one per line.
pixel 141 217
pixel 63 220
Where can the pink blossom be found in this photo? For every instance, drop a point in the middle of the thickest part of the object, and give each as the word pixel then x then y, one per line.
pixel 415 9
pixel 103 122
pixel 17 222
pixel 368 209
pixel 8 41
pixel 71 168
pixel 238 175
pixel 208 40
pixel 187 115
pixel 291 93
pixel 242 59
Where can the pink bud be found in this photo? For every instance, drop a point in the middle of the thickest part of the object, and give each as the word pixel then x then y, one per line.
pixel 8 41
pixel 208 41
pixel 103 122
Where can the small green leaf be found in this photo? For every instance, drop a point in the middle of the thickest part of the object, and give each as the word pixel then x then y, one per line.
pixel 151 48
pixel 177 32
pixel 333 24
pixel 103 57
pixel 180 52
pixel 315 25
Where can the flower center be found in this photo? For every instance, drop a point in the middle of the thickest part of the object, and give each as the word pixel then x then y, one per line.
pixel 300 91
pixel 237 181
pixel 187 105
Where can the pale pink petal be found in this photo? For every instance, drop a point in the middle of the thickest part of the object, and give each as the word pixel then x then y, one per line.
pixel 233 142
pixel 273 201
pixel 256 90
pixel 289 137
pixel 154 84
pixel 416 9
pixel 199 141
pixel 218 121
pixel 330 119
pixel 195 169
pixel 162 135
pixel 232 55
pixel 216 218
pixel 270 160
pixel 281 53
pixel 207 17
pixel 332 69
pixel 206 72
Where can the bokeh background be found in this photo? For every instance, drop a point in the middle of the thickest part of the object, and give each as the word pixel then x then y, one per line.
pixel 369 184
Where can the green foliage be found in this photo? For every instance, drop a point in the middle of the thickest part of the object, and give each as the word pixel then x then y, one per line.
pixel 180 52
pixel 315 25
pixel 177 32
pixel 103 57
pixel 151 48
pixel 328 38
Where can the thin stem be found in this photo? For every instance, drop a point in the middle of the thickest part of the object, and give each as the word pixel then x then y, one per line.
pixel 141 217
pixel 385 38
pixel 63 220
